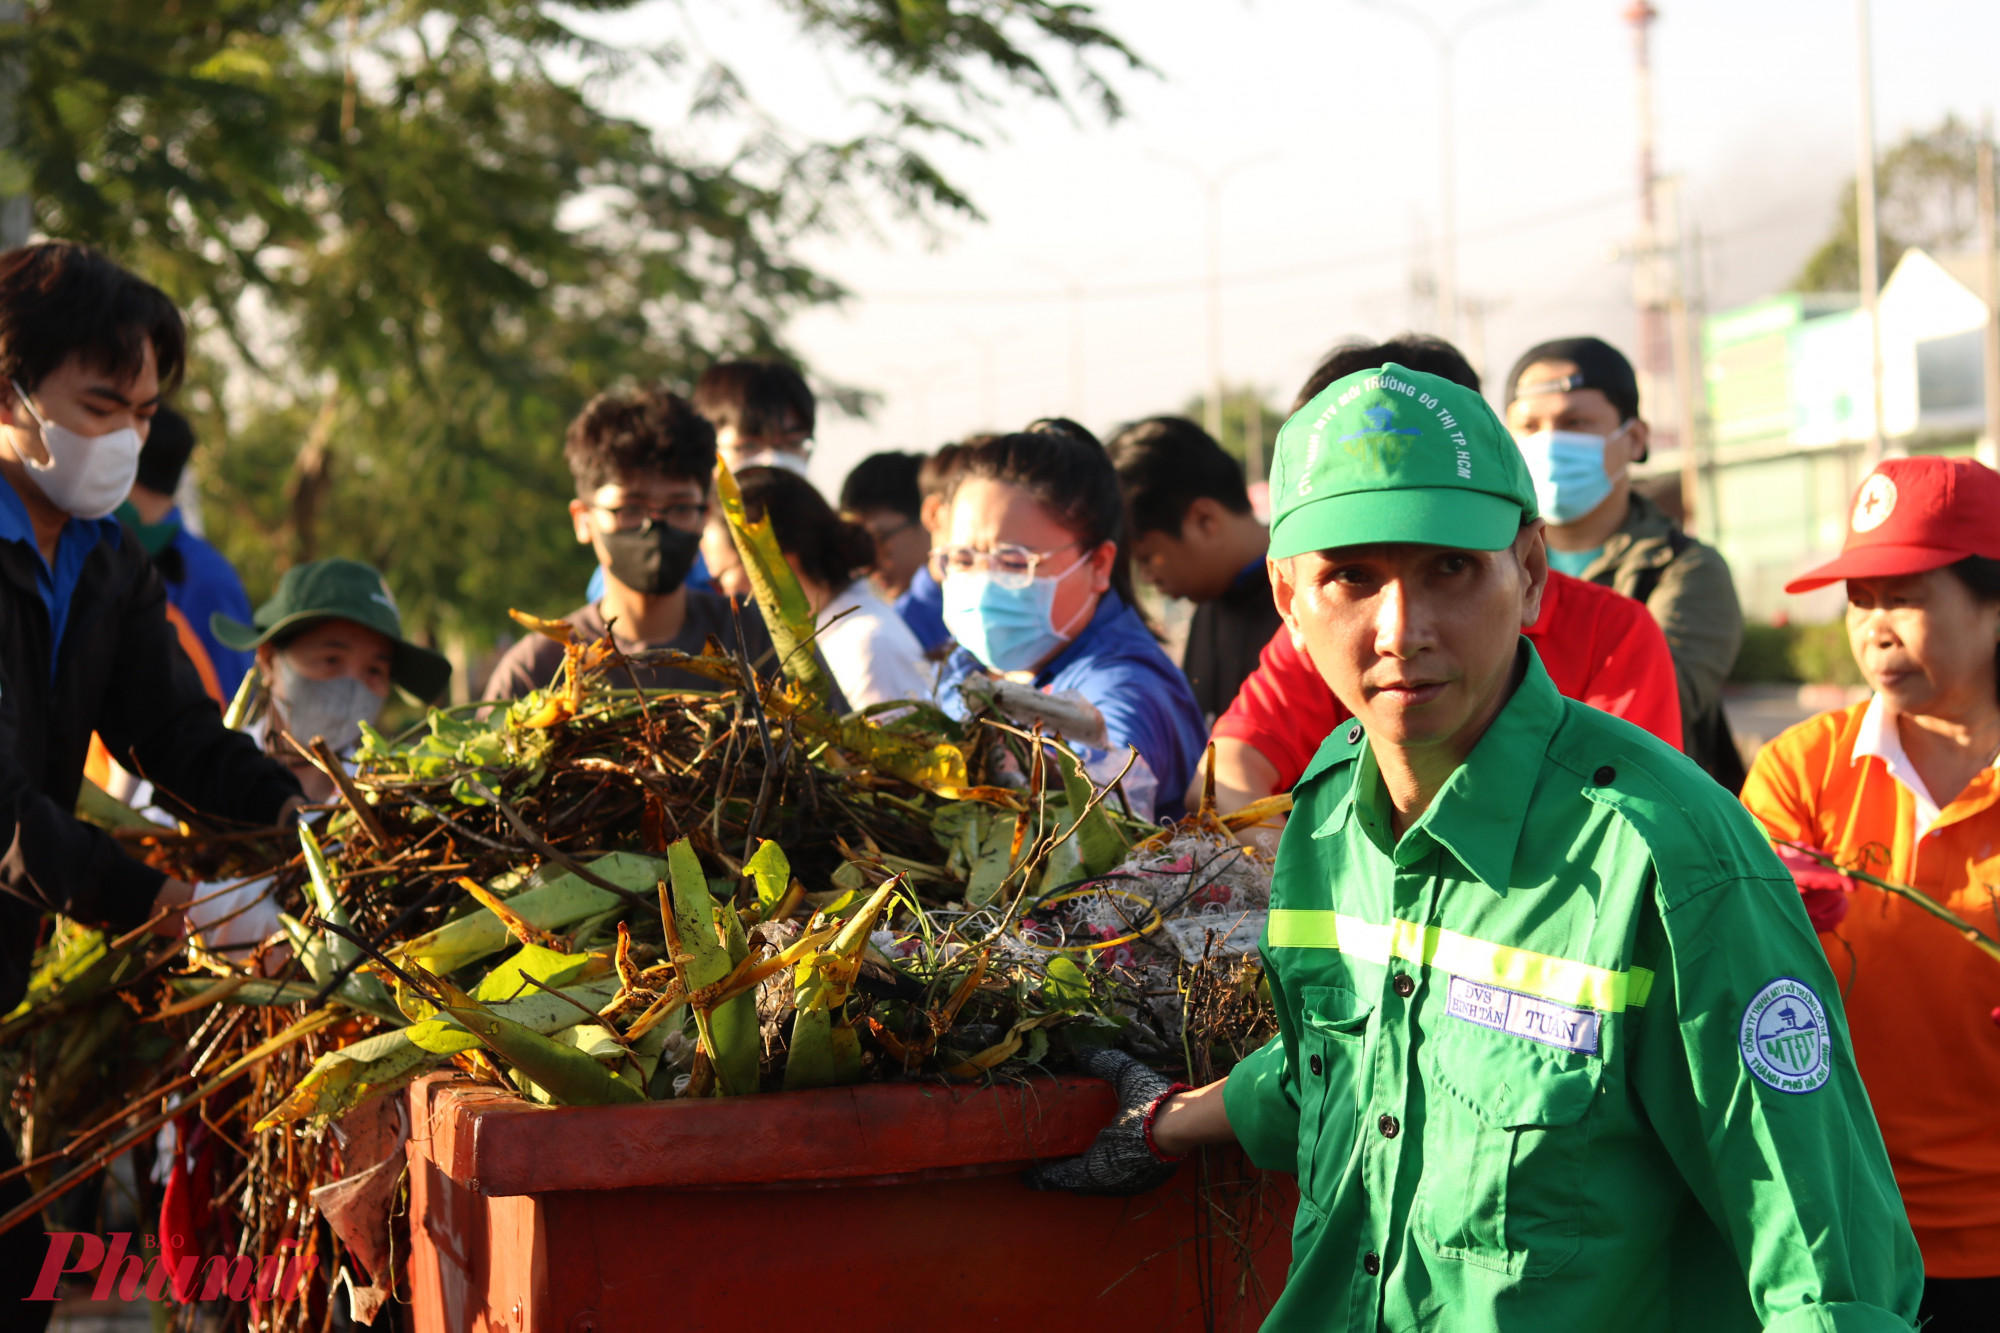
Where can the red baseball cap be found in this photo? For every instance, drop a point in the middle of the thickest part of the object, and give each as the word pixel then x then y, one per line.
pixel 1912 515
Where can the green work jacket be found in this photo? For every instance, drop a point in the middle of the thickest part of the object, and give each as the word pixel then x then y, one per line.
pixel 1565 1056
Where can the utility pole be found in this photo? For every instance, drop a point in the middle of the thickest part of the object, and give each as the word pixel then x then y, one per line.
pixel 1445 40
pixel 1870 247
pixel 1684 328
pixel 1649 283
pixel 1989 282
pixel 1211 186
pixel 17 216
pixel 988 344
pixel 1075 289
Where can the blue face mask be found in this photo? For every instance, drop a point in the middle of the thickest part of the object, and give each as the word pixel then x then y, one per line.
pixel 1008 629
pixel 1568 471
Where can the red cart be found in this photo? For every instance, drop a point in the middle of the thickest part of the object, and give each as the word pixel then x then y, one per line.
pixel 880 1207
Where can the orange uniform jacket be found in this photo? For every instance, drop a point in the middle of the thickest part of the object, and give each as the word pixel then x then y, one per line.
pixel 1920 1000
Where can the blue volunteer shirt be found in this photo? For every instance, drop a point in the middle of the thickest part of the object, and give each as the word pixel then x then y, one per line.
pixel 209 583
pixel 922 609
pixel 57 583
pixel 1118 666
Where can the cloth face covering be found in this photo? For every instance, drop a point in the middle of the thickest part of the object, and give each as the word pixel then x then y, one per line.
pixel 155 537
pixel 333 709
pixel 1567 468
pixel 653 560
pixel 87 476
pixel 1009 629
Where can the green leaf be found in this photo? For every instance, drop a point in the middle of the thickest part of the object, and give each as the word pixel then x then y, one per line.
pixel 1066 986
pixel 771 870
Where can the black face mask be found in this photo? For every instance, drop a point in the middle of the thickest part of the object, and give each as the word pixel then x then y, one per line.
pixel 654 559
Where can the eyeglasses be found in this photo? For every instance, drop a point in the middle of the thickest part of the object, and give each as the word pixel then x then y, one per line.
pixel 627 518
pixel 1009 565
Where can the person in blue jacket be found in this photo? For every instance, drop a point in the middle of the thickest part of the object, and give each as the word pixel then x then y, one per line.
pixel 200 580
pixel 1036 590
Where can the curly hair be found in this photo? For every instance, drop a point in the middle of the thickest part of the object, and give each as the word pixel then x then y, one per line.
pixel 618 435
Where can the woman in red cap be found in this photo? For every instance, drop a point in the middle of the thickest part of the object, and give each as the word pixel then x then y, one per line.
pixel 1904 787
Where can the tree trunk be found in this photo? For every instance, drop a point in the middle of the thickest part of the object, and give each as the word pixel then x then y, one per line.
pixel 312 473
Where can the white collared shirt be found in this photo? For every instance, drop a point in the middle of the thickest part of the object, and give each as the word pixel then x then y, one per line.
pixel 1880 737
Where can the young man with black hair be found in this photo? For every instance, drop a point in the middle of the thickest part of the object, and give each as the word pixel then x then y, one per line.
pixel 200 580
pixel 86 350
pixel 1573 407
pixel 882 495
pixel 1192 534
pixel 643 463
pixel 763 413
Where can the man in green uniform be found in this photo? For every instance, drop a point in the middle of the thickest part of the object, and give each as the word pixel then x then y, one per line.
pixel 1558 1049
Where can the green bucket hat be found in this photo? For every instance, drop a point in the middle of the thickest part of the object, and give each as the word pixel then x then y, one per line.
pixel 1396 455
pixel 339 590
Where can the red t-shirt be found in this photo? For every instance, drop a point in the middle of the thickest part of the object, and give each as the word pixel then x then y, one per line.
pixel 1597 645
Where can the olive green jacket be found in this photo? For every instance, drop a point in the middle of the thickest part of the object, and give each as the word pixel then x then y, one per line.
pixel 1693 599
pixel 1566 1055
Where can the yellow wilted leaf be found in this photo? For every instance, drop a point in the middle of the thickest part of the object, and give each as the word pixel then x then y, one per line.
pixel 559 630
pixel 787 613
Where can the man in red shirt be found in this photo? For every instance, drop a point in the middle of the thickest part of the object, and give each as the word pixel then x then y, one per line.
pixel 1596 645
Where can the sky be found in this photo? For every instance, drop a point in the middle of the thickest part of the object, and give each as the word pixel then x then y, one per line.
pixel 1082 291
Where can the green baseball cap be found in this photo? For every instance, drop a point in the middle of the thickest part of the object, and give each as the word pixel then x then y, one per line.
pixel 339 590
pixel 1396 455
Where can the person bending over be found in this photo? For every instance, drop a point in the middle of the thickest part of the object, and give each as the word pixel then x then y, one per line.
pixel 1035 592
pixel 86 350
pixel 1193 535
pixel 873 655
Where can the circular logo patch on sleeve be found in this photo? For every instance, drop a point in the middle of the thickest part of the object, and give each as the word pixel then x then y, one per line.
pixel 1785 1040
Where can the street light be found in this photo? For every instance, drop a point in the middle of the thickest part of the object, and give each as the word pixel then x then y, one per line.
pixel 1211 184
pixel 1446 41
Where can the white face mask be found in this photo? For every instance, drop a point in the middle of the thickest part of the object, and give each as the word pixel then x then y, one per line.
pixel 86 475
pixel 333 709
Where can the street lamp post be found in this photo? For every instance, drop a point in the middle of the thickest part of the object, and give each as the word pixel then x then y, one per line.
pixel 1211 184
pixel 1446 41
pixel 1075 289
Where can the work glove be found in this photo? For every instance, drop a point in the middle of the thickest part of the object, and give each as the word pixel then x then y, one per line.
pixel 232 918
pixel 1123 1160
pixel 1824 889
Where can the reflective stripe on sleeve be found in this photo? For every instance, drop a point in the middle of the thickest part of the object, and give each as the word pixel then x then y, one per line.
pixel 1557 979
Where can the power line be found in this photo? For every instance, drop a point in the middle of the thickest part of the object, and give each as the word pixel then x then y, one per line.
pixel 1249 278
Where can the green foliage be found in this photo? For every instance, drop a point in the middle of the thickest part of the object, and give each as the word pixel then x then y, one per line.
pixel 1246 414
pixel 1928 198
pixel 1796 654
pixel 413 242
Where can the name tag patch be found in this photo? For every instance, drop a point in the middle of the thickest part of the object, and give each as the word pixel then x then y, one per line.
pixel 1523 1015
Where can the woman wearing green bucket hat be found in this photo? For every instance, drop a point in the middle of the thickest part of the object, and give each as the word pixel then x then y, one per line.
pixel 329 646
